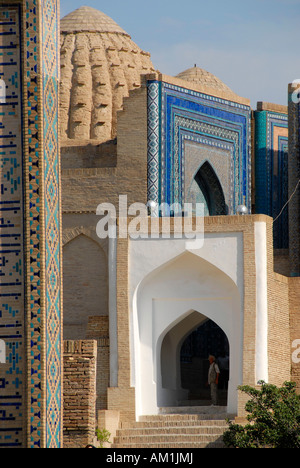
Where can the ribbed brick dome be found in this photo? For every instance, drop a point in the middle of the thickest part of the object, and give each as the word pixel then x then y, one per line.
pixel 100 64
pixel 89 20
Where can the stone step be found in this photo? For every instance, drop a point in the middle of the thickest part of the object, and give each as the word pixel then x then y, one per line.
pixel 166 430
pixel 173 429
pixel 188 445
pixel 174 422
pixel 169 439
pixel 178 416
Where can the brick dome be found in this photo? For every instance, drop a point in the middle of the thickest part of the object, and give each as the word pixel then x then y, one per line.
pixel 87 19
pixel 100 64
pixel 199 76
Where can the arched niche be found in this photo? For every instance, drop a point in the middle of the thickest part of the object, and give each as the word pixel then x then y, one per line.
pixel 210 186
pixel 206 188
pixel 178 296
pixel 85 284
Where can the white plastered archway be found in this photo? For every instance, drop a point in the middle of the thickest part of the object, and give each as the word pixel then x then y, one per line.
pixel 169 367
pixel 165 297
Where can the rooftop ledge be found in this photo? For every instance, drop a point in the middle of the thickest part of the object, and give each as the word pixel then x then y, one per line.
pixel 198 88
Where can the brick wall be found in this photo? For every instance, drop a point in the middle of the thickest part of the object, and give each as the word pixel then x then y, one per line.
pixel 85 284
pixel 80 359
pixel 279 330
pixel 83 188
pixel 278 312
pixel 278 320
pixel 294 300
pixel 98 329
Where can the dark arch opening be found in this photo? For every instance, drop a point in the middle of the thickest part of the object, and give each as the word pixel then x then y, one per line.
pixel 211 188
pixel 207 339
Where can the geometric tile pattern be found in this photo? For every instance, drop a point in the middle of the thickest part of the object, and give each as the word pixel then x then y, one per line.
pixel 41 247
pixel 12 281
pixel 271 179
pixel 35 272
pixel 52 222
pixel 154 119
pixel 177 116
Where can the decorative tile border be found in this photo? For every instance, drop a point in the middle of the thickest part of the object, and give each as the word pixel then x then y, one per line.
pixel 52 202
pixel 40 198
pixel 177 114
pixel 154 133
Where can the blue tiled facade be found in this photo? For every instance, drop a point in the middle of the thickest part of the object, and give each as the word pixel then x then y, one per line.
pixel 30 233
pixel 271 171
pixel 179 117
pixel 12 280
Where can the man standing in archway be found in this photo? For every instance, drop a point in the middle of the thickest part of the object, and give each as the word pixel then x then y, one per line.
pixel 213 379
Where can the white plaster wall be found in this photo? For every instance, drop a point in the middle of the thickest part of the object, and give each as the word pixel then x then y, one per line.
pixel 261 356
pixel 167 283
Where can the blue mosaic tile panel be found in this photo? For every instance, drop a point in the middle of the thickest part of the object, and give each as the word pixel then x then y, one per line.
pixel 271 171
pixel 43 222
pixel 12 372
pixel 30 270
pixel 176 116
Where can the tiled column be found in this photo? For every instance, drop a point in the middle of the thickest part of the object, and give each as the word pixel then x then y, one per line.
pixel 30 223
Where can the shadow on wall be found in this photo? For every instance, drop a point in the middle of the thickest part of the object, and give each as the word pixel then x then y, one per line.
pixel 85 285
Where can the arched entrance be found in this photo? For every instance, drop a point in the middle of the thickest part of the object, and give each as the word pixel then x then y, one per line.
pixel 171 302
pixel 207 339
pixel 184 361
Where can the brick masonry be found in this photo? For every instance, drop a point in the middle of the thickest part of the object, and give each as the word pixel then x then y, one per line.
pixel 80 360
pixel 98 330
pixel 117 168
pixel 294 305
pixel 278 312
pixel 85 188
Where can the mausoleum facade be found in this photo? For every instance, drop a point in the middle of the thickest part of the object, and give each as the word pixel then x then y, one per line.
pixel 145 311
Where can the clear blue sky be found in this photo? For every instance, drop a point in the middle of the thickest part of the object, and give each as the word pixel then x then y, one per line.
pixel 253 46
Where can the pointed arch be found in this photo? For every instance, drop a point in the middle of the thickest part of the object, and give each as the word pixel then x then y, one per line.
pixel 89 231
pixel 210 186
pixel 164 300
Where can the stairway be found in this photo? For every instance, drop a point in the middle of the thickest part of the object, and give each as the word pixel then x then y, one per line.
pixel 184 427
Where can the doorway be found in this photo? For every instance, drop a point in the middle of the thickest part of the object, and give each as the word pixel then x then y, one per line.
pixel 206 339
pixel 169 304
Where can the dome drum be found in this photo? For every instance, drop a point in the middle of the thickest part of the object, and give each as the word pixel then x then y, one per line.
pixel 100 65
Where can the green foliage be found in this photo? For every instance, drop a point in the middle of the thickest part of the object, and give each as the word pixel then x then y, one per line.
pixel 103 436
pixel 274 418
